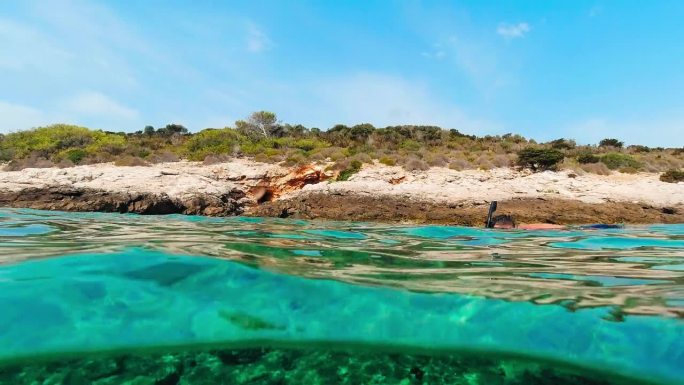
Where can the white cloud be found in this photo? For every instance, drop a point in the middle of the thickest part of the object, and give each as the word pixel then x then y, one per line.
pixel 100 105
pixel 15 117
pixel 257 40
pixel 513 31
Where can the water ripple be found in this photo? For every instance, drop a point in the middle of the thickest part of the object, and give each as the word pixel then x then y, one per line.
pixel 635 270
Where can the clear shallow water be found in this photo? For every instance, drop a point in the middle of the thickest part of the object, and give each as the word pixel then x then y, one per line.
pixel 609 300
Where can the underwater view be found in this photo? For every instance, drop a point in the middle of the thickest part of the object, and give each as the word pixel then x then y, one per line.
pixel 90 298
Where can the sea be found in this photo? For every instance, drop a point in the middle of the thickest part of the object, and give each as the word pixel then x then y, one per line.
pixel 96 298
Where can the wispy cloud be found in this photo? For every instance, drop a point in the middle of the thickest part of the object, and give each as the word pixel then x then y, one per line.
pixel 379 99
pixel 84 108
pixel 19 117
pixel 257 40
pixel 513 31
pixel 98 104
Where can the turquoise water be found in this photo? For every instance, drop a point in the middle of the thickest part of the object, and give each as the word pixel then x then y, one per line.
pixel 602 302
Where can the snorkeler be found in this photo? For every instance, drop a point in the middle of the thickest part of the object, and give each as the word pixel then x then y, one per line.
pixel 507 222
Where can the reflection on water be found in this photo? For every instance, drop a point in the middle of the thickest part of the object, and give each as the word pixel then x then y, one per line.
pixel 637 270
pixel 598 300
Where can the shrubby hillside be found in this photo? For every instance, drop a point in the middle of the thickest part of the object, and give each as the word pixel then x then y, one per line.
pixel 262 137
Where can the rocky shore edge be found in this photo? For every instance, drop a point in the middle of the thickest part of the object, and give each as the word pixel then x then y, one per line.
pixel 347 207
pixel 375 193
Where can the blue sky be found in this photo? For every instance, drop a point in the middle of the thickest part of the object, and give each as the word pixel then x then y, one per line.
pixel 544 69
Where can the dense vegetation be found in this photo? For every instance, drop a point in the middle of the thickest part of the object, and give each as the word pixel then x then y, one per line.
pixel 262 137
pixel 672 176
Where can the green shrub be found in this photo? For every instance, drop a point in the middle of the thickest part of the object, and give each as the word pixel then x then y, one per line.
pixel 107 143
pixel 539 158
pixel 74 155
pixel 562 144
pixel 353 168
pixel 672 176
pixel 410 145
pixel 610 142
pixel 640 148
pixel 387 161
pixel 587 157
pixel 46 141
pixel 6 154
pixel 212 142
pixel 615 160
pixel 309 144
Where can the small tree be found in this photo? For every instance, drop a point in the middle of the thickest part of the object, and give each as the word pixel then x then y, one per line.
pixel 610 142
pixel 148 130
pixel 539 159
pixel 563 143
pixel 260 123
pixel 175 129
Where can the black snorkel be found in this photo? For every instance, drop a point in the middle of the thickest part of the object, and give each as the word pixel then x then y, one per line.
pixel 492 207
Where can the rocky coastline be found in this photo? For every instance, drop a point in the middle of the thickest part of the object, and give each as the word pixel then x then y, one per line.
pixel 376 193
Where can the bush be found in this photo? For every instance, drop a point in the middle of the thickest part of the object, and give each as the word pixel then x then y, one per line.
pixel 130 161
pixel 672 176
pixel 415 164
pixel 295 159
pixel 437 160
pixel 46 141
pixel 74 155
pixel 30 162
pixel 616 160
pixel 562 144
pixel 587 157
pixel 460 164
pixel 353 168
pixel 216 159
pixel 410 145
pixel 501 161
pixel 639 148
pixel 212 142
pixel 164 157
pixel 610 142
pixel 107 143
pixel 596 168
pixel 387 161
pixel 309 144
pixel 539 158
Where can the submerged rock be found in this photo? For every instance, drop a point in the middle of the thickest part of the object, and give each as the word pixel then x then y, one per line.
pixel 298 366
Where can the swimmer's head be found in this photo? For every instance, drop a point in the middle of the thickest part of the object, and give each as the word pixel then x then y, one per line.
pixel 503 222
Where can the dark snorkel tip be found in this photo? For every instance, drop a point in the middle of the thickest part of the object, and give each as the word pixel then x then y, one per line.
pixel 492 208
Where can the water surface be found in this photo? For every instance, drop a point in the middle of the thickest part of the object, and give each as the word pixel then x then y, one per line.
pixel 603 301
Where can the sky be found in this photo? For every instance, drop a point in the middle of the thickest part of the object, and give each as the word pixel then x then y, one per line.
pixel 543 69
